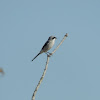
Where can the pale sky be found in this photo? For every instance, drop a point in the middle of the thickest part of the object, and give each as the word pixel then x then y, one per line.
pixel 73 71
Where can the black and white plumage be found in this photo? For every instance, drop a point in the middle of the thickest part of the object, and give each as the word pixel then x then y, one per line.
pixel 47 46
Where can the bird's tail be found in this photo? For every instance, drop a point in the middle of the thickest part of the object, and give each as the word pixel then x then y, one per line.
pixel 36 56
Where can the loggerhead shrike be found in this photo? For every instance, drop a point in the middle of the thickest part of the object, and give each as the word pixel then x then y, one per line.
pixel 47 46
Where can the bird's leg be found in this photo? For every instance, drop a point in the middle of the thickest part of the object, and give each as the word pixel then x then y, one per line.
pixel 48 53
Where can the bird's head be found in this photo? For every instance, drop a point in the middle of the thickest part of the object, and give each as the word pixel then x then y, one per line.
pixel 52 38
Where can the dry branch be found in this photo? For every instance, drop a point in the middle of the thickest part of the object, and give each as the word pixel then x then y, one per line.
pixel 33 97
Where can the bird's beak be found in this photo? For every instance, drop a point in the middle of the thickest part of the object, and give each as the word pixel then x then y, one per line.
pixel 55 38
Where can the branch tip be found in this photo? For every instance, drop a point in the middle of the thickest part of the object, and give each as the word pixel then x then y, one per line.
pixel 66 35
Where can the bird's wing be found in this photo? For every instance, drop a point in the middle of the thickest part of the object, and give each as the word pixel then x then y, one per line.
pixel 45 45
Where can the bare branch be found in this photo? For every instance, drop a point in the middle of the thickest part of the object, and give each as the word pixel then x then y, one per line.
pixel 33 97
pixel 66 35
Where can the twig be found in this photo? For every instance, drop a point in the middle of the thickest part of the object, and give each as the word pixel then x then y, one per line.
pixel 66 35
pixel 33 97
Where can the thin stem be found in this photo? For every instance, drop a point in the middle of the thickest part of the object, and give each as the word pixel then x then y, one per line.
pixel 33 97
pixel 66 35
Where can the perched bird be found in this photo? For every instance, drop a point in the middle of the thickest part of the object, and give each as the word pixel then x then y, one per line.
pixel 47 46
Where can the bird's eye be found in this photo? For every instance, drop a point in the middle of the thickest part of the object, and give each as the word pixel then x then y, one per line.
pixel 54 38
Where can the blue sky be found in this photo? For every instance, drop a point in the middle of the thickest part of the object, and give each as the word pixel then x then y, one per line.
pixel 74 70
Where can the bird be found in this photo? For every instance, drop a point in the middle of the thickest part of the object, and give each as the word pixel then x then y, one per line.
pixel 47 46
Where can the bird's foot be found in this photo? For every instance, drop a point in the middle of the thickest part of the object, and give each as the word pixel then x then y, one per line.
pixel 49 54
